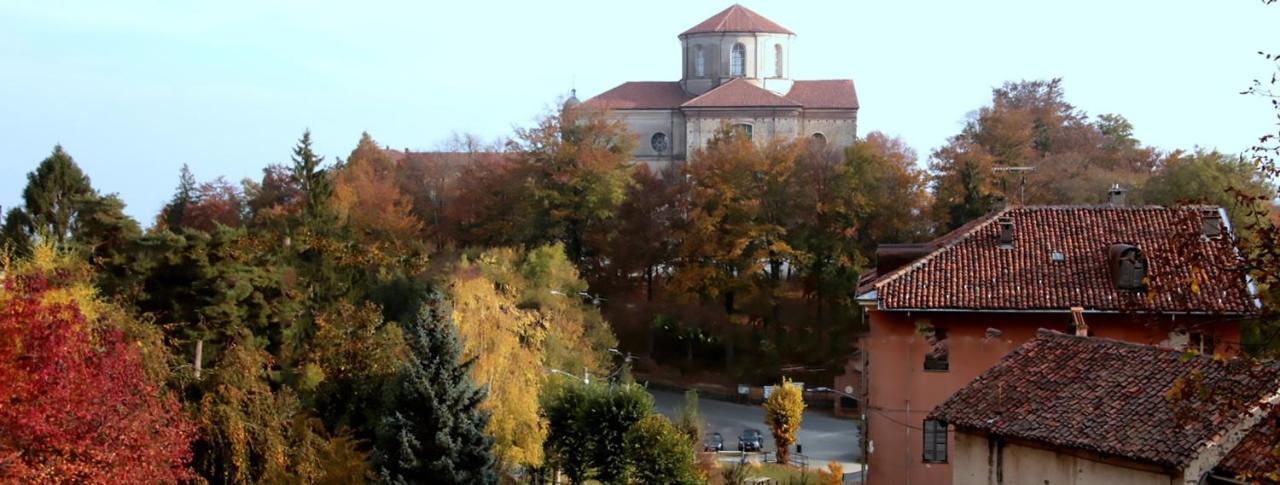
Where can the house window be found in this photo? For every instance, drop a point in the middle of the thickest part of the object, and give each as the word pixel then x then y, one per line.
pixel 936 358
pixel 777 60
pixel 818 141
pixel 659 142
pixel 935 441
pixel 1202 343
pixel 738 60
pixel 742 129
pixel 699 62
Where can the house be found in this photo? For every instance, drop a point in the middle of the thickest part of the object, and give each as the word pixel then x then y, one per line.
pixel 940 313
pixel 736 70
pixel 1065 409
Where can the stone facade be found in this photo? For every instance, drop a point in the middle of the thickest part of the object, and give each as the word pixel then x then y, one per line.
pixel 736 70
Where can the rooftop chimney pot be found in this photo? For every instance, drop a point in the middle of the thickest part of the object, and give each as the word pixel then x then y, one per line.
pixel 1006 231
pixel 1116 195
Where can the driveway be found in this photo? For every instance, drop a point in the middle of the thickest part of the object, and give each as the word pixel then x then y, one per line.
pixel 824 437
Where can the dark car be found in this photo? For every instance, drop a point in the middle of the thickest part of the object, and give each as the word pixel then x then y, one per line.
pixel 714 442
pixel 750 440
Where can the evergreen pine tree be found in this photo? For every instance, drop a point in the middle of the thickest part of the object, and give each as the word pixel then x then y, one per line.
pixel 15 235
pixel 433 429
pixel 311 179
pixel 53 196
pixel 175 212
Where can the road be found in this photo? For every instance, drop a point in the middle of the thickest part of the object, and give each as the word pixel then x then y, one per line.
pixel 824 437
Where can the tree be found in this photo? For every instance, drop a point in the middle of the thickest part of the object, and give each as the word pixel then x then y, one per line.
pixel 783 411
pixel 832 475
pixel 587 429
pixel 53 195
pixel 576 165
pixel 79 404
pixel 214 202
pixel 367 195
pixel 689 422
pixel 659 452
pixel 312 180
pixel 437 427
pixel 641 242
pixel 892 190
pixel 1208 177
pixel 175 213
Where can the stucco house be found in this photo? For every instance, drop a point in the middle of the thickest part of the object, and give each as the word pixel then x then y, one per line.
pixel 1065 409
pixel 736 69
pixel 940 313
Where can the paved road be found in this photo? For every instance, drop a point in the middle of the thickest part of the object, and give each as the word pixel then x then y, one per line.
pixel 824 437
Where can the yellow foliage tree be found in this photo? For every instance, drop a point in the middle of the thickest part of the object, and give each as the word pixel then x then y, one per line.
pixel 833 475
pixel 783 411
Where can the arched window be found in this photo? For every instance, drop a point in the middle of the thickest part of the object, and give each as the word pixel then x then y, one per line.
pixel 659 142
pixel 699 62
pixel 777 60
pixel 738 60
pixel 818 141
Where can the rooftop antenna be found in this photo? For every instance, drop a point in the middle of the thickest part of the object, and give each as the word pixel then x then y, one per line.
pixel 1022 181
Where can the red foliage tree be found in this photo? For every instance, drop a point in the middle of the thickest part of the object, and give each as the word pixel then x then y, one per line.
pixel 76 405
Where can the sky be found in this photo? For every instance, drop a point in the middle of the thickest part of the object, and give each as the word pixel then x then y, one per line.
pixel 135 89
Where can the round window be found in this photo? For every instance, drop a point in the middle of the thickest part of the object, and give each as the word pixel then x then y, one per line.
pixel 659 142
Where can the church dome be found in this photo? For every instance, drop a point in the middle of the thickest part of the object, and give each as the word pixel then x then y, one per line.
pixel 573 101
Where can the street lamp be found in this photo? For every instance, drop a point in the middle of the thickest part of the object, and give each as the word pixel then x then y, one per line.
pixel 586 377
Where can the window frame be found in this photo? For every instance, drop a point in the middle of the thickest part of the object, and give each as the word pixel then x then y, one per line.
pixel 699 62
pixel 777 61
pixel 738 60
pixel 744 128
pixel 666 141
pixel 935 364
pixel 934 433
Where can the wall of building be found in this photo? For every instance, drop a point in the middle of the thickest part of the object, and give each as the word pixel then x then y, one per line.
pixel 901 393
pixel 979 461
pixel 766 124
pixel 840 127
pixel 717 48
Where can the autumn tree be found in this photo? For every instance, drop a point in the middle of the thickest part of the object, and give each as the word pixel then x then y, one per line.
pixel 436 426
pixel 783 411
pixel 641 241
pixel 367 196
pixel 1208 177
pixel 576 168
pixel 79 403
pixel 734 233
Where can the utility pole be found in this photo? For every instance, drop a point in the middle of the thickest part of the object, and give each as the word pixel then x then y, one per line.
pixel 1022 181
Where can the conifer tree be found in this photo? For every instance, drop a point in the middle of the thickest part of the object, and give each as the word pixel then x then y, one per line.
pixel 311 179
pixel 175 212
pixel 53 195
pixel 435 430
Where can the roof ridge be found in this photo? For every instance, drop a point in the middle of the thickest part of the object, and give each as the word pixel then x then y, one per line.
pixel 885 279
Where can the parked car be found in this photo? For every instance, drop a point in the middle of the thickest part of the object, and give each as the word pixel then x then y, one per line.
pixel 751 440
pixel 714 442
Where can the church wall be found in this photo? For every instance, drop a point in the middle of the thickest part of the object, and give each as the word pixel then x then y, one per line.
pixel 644 123
pixel 717 49
pixel 766 125
pixel 840 128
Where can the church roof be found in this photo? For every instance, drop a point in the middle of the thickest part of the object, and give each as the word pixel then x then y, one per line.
pixel 739 93
pixel 641 95
pixel 737 19
pixel 828 94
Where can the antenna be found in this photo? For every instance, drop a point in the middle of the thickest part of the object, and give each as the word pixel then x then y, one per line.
pixel 1022 181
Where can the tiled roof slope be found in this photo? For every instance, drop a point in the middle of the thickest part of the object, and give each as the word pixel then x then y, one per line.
pixel 739 93
pixel 972 272
pixel 824 94
pixel 1104 396
pixel 1256 455
pixel 640 95
pixel 737 18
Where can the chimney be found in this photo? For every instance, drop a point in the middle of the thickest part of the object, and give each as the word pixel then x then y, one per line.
pixel 1077 321
pixel 1212 222
pixel 997 203
pixel 1116 195
pixel 1006 231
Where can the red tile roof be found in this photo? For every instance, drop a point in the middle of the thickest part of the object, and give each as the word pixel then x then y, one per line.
pixel 1108 397
pixel 739 93
pixel 641 95
pixel 825 94
pixel 1257 456
pixel 971 271
pixel 737 19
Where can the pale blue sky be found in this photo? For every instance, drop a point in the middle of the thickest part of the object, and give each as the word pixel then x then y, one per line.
pixel 134 89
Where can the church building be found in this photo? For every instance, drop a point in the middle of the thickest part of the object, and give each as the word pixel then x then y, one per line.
pixel 736 69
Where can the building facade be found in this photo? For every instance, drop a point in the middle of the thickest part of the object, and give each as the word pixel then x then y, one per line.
pixel 736 70
pixel 941 313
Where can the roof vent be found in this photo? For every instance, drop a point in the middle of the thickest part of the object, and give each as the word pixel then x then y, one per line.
pixel 1116 195
pixel 1212 222
pixel 1006 231
pixel 1057 257
pixel 997 203
pixel 1128 267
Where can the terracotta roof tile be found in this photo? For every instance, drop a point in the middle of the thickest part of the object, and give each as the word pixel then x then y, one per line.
pixel 737 19
pixel 1106 396
pixel 971 271
pixel 641 95
pixel 1258 454
pixel 739 93
pixel 825 94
